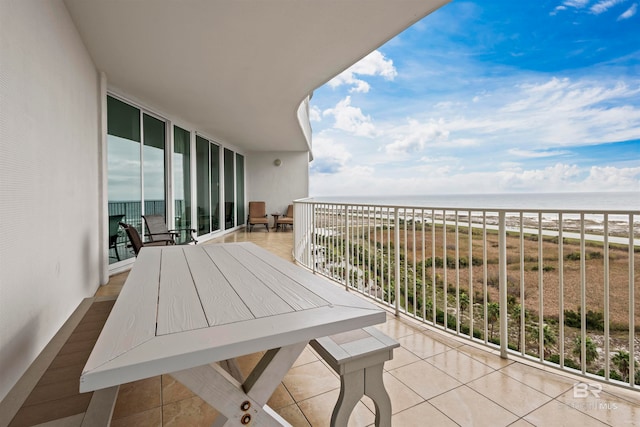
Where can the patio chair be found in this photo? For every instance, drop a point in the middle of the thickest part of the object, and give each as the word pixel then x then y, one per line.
pixel 286 219
pixel 114 232
pixel 136 241
pixel 257 215
pixel 157 231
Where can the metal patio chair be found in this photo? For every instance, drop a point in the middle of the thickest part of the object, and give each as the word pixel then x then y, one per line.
pixel 136 240
pixel 157 231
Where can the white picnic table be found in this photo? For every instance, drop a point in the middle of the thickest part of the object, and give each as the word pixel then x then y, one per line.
pixel 183 308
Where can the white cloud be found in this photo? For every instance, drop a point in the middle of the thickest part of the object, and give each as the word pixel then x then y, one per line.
pixel 351 119
pixel 535 154
pixel 315 115
pixel 629 12
pixel 604 5
pixel 598 8
pixel 330 157
pixel 552 178
pixel 576 3
pixel 451 179
pixel 415 136
pixel 374 64
pixel 565 112
pixel 608 177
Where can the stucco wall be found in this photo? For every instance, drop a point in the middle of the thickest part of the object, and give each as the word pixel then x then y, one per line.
pixel 49 238
pixel 278 186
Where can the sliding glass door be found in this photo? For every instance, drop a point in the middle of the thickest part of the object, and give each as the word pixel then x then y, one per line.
pixel 181 165
pixel 240 188
pixel 135 170
pixel 207 185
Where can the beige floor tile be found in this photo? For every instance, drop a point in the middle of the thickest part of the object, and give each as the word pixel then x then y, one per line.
pixel 307 356
pixel 468 407
pixel 187 413
pixel 425 379
pixel 318 411
pixel 558 414
pixel 422 345
pixel 543 381
pixel 420 416
pixel 173 390
pixel 509 393
pixel 280 398
pixel 402 397
pixel 607 407
pixel 310 380
pixel 487 357
pixel 138 396
pixel 459 365
pixel 395 328
pixel 521 423
pixel 401 357
pixel 293 415
pixel 443 337
pixel 149 418
pixel 248 362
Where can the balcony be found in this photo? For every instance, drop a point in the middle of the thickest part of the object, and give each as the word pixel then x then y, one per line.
pixel 438 374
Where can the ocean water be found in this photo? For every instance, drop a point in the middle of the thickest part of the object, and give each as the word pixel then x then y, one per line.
pixel 609 201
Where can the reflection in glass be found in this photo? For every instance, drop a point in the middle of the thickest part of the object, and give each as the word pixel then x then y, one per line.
pixel 182 180
pixel 240 187
pixel 215 186
pixel 202 185
pixel 153 166
pixel 123 174
pixel 229 189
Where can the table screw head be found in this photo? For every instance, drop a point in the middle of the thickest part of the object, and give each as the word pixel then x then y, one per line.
pixel 246 419
pixel 245 405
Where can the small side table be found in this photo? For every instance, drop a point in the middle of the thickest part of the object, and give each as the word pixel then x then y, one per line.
pixel 275 220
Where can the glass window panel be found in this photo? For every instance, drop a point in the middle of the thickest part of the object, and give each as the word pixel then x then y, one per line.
pixel 215 186
pixel 123 174
pixel 123 120
pixel 229 190
pixel 153 166
pixel 240 188
pixel 182 179
pixel 202 185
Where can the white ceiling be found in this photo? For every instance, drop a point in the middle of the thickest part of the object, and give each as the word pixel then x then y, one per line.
pixel 236 69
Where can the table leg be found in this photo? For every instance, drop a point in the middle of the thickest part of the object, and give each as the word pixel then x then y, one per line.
pixel 242 403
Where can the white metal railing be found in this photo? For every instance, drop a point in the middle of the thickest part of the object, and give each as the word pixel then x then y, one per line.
pixel 558 287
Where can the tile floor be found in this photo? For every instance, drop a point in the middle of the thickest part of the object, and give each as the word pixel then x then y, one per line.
pixel 433 379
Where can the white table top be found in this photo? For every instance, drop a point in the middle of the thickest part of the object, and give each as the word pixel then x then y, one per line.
pixel 187 306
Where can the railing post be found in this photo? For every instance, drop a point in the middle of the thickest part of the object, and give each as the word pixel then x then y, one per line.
pixel 502 263
pixel 347 252
pixel 314 237
pixel 396 251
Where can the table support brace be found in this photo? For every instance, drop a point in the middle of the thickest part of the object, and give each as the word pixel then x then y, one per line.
pixel 228 396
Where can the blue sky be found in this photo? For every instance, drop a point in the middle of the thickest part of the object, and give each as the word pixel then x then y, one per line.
pixel 498 96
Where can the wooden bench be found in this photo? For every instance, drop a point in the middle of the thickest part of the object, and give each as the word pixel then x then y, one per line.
pixel 358 357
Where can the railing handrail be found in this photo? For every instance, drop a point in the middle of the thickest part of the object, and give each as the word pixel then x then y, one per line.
pixel 310 200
